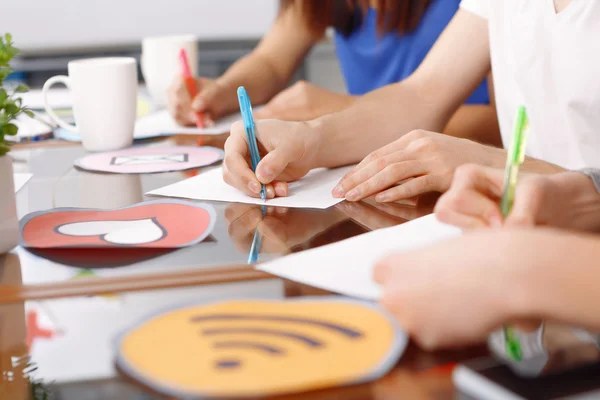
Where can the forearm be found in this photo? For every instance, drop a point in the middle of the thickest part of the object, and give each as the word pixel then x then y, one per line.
pixel 477 122
pixel 375 120
pixel 563 287
pixel 257 74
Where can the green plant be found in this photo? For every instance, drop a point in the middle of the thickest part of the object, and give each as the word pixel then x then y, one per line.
pixel 11 105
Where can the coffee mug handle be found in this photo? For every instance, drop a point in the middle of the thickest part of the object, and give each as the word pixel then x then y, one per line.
pixel 49 83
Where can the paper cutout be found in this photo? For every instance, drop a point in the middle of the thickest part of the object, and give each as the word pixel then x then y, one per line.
pixel 155 224
pixel 346 267
pixel 312 191
pixel 146 160
pixel 254 348
pixel 34 331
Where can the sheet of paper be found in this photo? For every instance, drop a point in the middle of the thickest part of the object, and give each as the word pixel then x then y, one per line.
pixel 20 180
pixel 57 98
pixel 346 267
pixel 312 191
pixel 160 122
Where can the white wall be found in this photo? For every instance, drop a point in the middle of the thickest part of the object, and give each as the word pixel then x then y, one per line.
pixel 49 25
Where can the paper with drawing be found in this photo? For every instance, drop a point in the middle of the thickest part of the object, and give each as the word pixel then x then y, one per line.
pixel 312 191
pixel 346 267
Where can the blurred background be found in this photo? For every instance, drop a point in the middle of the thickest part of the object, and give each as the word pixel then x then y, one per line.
pixel 227 30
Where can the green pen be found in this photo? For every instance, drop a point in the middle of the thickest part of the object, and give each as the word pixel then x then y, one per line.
pixel 516 156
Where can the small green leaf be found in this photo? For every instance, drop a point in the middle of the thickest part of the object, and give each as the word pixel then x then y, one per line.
pixel 8 37
pixel 21 89
pixel 3 96
pixel 10 129
pixel 29 113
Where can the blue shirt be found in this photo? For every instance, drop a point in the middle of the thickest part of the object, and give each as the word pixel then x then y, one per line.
pixel 369 60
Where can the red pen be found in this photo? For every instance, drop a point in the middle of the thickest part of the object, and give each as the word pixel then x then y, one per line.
pixel 190 83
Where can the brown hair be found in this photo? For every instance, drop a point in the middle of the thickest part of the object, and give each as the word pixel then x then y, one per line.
pixel 402 16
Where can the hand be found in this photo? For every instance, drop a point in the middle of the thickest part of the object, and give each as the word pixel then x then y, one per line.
pixel 214 100
pixel 288 151
pixel 457 292
pixel 281 228
pixel 417 163
pixel 303 101
pixel 563 200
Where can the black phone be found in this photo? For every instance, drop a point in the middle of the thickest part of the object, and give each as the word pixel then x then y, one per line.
pixel 490 379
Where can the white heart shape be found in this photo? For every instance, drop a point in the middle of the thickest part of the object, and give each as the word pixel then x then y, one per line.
pixel 117 232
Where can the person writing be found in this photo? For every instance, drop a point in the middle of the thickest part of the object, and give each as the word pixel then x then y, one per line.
pixel 392 131
pixel 377 43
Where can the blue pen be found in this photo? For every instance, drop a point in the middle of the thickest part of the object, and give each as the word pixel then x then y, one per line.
pixel 246 110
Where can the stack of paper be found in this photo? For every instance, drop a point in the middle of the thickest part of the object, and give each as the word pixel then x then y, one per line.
pixel 160 122
pixel 346 267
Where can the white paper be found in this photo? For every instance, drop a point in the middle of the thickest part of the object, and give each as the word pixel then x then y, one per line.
pixel 160 122
pixel 346 267
pixel 312 191
pixel 57 98
pixel 20 180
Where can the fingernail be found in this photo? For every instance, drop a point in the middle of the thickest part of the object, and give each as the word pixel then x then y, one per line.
pixel 352 195
pixel 265 173
pixel 270 192
pixel 382 198
pixel 338 191
pixel 495 221
pixel 254 187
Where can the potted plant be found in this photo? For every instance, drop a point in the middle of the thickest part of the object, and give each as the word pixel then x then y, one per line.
pixel 11 108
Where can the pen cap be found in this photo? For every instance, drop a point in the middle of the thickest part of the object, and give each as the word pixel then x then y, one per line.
pixel 245 107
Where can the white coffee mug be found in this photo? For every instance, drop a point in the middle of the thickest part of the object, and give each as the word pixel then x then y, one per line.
pixel 104 92
pixel 160 63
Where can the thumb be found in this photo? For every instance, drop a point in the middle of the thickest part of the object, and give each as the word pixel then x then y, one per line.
pixel 273 164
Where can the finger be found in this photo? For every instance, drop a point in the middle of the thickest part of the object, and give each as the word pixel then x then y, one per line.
pixel 281 189
pixel 489 181
pixel 469 203
pixel 382 271
pixel 527 207
pixel 273 164
pixel 388 177
pixel 411 188
pixel 359 174
pixel 236 171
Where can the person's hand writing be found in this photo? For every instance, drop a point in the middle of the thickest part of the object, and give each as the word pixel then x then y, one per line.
pixel 417 163
pixel 303 101
pixel 565 200
pixel 456 292
pixel 214 100
pixel 288 151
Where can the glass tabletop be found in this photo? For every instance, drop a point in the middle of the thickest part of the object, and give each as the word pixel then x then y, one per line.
pixel 57 183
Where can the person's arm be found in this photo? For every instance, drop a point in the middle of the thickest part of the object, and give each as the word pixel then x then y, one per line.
pixel 269 67
pixel 264 72
pixel 456 64
pixel 563 285
pixel 477 121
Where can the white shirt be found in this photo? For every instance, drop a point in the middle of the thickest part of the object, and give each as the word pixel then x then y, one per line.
pixel 550 63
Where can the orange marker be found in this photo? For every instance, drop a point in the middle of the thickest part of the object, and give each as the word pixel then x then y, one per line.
pixel 190 83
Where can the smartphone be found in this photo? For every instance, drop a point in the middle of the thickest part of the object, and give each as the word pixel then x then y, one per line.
pixel 490 379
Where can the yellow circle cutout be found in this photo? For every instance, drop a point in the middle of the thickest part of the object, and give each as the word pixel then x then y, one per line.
pixel 250 348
